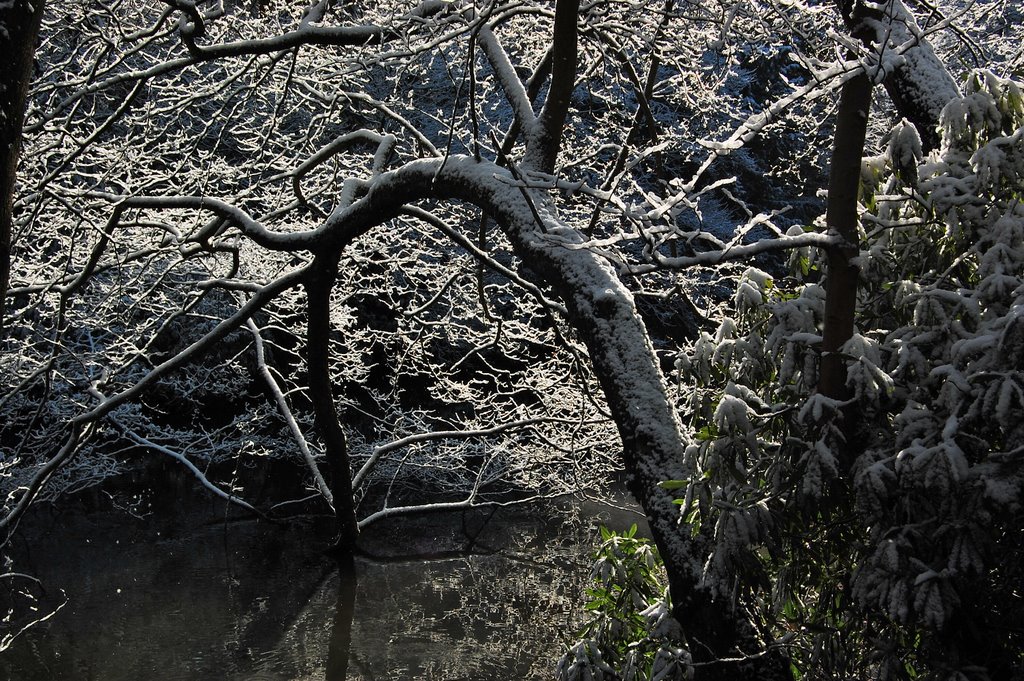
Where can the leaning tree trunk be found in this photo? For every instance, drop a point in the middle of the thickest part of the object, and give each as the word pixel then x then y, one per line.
pixel 19 27
pixel 603 312
pixel 919 87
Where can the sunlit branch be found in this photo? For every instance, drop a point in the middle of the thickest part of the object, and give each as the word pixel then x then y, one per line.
pixel 286 413
pixel 10 635
pixel 736 252
pixel 383 450
pixel 483 257
pixel 231 214
pixel 305 34
pixel 77 435
pixel 829 81
pixel 258 300
pixel 470 502
pixel 385 143
pixel 183 460
pixel 508 79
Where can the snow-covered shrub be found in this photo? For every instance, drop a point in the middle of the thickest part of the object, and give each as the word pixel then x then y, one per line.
pixel 885 530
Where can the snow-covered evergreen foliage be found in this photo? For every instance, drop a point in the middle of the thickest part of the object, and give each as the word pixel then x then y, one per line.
pixel 886 528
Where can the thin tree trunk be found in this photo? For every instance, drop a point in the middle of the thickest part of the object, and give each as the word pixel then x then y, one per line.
pixel 545 143
pixel 842 219
pixel 19 28
pixel 318 291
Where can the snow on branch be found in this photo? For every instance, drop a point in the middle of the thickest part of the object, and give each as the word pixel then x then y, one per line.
pixel 286 413
pixel 829 80
pixel 508 79
pixel 484 258
pixel 183 460
pixel 230 214
pixel 257 301
pixel 738 251
pixel 416 438
pixel 308 33
pixel 326 152
pixel 470 501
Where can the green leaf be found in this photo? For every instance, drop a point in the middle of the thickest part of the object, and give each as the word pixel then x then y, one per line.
pixel 707 433
pixel 673 484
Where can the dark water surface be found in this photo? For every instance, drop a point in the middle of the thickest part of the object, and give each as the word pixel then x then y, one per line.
pixel 459 596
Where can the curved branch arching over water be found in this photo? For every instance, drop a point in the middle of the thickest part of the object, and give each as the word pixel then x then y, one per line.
pixel 603 312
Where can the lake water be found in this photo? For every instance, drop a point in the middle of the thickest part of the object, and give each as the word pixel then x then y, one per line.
pixel 460 596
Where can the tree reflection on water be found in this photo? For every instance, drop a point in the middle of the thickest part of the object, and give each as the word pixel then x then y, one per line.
pixel 251 602
pixel 341 629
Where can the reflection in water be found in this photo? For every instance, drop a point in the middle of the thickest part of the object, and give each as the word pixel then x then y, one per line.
pixel 341 628
pixel 252 602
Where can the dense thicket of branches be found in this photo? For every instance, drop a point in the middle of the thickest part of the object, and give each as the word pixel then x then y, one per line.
pixel 438 254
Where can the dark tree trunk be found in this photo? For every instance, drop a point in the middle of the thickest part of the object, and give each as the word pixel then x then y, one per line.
pixel 544 145
pixel 318 290
pixel 19 28
pixel 842 220
pixel 340 645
